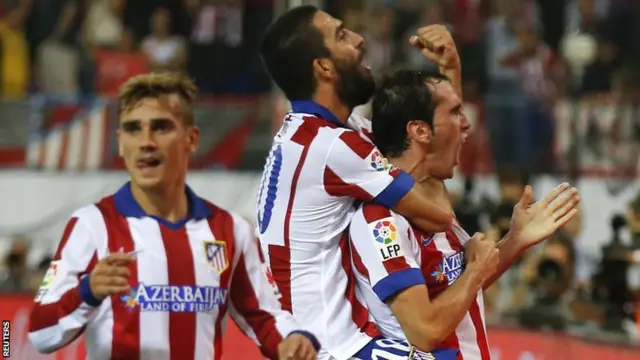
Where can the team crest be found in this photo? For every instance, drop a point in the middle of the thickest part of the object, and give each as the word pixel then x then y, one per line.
pixel 216 253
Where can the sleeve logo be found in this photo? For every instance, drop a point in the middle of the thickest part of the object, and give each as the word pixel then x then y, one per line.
pixel 379 162
pixel 48 279
pixel 50 275
pixel 385 234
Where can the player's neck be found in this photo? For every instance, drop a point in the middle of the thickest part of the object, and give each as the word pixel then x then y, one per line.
pixel 169 202
pixel 412 163
pixel 333 104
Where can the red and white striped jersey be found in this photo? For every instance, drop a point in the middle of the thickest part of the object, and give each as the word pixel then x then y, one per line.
pixel 316 170
pixel 187 277
pixel 390 255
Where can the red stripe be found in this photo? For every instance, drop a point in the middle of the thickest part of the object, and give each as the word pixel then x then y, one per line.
pixel 181 271
pixel 476 318
pixel 374 213
pixel 280 256
pixel 125 342
pixel 357 262
pixel 44 316
pixel 13 156
pixel 359 313
pixel 357 144
pixel 246 302
pixel 335 186
pixel 221 225
pixel 71 224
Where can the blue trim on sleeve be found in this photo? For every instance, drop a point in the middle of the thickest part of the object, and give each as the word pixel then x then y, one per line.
pixel 308 335
pixel 396 190
pixel 396 282
pixel 84 289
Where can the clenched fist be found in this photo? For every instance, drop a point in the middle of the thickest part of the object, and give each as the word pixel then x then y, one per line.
pixel 296 347
pixel 110 275
pixel 437 45
pixel 484 254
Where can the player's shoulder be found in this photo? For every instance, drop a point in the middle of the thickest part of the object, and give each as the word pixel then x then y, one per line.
pixel 371 213
pixel 228 219
pixel 90 214
pixel 361 125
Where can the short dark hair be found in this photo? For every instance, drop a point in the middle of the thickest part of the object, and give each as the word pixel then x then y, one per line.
pixel 288 50
pixel 400 98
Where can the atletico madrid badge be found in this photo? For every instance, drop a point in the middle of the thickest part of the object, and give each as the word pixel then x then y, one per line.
pixel 216 253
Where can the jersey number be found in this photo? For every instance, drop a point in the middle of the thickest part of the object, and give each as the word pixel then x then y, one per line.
pixel 270 181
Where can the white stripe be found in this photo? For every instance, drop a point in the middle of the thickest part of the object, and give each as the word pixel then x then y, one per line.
pixel 467 338
pixel 33 153
pixel 198 233
pixel 52 150
pixel 152 267
pixel 96 134
pixel 100 332
pixel 74 149
pixel 48 337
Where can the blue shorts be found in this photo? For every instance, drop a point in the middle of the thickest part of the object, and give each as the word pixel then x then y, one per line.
pixel 388 349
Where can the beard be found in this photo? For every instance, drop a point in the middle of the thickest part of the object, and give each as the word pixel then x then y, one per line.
pixel 354 87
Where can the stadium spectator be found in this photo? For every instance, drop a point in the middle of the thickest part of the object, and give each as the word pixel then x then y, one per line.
pixel 15 71
pixel 16 278
pixel 115 66
pixel 165 50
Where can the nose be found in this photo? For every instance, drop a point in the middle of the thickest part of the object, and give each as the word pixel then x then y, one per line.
pixel 356 39
pixel 147 140
pixel 465 124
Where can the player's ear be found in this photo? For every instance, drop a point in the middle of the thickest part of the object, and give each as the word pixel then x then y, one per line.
pixel 323 68
pixel 194 139
pixel 419 131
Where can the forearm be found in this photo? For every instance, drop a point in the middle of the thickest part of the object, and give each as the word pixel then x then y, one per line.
pixel 427 213
pixel 454 74
pixel 448 309
pixel 510 251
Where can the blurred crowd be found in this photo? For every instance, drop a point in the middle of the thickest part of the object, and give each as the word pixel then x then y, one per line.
pixel 520 58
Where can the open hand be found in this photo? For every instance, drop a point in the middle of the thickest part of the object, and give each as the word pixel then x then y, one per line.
pixel 533 223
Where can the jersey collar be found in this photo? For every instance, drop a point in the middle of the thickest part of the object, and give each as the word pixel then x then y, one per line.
pixel 312 107
pixel 127 206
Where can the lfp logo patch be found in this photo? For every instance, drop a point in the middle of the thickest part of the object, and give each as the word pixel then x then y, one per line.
pixel 379 162
pixel 385 233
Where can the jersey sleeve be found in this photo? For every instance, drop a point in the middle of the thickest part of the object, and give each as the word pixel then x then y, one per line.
pixel 255 305
pixel 64 304
pixel 356 168
pixel 383 251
